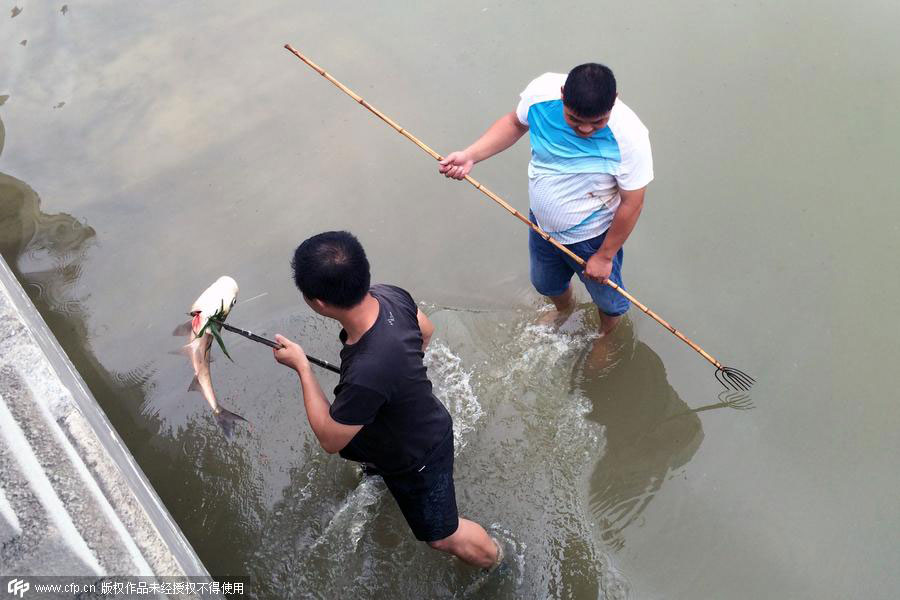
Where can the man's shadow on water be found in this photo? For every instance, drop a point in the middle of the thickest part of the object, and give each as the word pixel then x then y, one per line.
pixel 650 431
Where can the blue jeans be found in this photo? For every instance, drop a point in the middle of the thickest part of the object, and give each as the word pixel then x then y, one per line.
pixel 551 271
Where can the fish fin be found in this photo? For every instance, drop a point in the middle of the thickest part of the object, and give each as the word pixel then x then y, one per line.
pixel 183 329
pixel 195 385
pixel 183 351
pixel 226 420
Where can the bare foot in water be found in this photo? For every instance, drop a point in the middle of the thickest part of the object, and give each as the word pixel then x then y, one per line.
pixel 553 318
pixel 563 306
pixel 602 354
pixel 611 347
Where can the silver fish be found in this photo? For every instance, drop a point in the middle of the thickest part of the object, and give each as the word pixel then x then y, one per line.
pixel 217 299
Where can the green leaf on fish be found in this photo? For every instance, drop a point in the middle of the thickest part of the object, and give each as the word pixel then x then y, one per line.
pixel 215 329
pixel 215 332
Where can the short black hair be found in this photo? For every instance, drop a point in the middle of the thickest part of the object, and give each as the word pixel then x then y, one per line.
pixel 332 267
pixel 590 90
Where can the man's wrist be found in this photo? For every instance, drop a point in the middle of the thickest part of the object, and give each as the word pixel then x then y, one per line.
pixel 605 254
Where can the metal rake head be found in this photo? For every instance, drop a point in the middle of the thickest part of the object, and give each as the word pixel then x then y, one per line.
pixel 735 400
pixel 734 379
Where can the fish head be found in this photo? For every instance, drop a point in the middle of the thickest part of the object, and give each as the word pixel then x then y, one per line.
pixel 220 297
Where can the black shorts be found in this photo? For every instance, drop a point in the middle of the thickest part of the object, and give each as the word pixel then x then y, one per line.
pixel 427 496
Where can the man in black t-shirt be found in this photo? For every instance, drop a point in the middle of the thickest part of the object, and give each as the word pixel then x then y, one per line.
pixel 384 412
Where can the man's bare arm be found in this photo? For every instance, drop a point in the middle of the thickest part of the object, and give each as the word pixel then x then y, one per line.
pixel 505 132
pixel 332 436
pixel 599 266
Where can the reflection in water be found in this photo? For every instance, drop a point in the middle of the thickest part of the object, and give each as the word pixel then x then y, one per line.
pixel 729 399
pixel 45 251
pixel 650 432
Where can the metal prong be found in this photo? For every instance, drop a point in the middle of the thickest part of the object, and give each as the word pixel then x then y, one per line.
pixel 721 379
pixel 734 379
pixel 740 378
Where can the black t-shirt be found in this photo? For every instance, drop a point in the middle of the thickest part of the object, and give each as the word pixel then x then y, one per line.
pixel 384 387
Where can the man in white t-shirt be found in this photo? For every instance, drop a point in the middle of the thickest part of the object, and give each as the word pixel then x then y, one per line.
pixel 590 165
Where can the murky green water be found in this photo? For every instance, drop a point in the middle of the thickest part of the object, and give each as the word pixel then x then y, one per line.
pixel 148 148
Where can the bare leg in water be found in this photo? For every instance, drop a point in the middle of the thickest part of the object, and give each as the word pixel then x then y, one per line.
pixel 603 353
pixel 608 323
pixel 470 543
pixel 607 347
pixel 563 304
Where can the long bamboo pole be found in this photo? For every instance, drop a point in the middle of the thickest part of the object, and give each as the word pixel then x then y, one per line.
pixel 502 203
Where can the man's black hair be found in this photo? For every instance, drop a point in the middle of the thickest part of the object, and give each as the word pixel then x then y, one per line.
pixel 590 90
pixel 332 267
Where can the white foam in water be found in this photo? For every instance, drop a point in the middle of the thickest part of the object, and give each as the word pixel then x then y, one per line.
pixel 542 347
pixel 351 517
pixel 454 388
pixel 307 490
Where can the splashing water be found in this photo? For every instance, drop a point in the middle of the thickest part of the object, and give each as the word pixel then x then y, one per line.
pixel 453 387
pixel 345 528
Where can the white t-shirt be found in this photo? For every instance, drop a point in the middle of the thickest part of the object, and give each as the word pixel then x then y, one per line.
pixel 574 182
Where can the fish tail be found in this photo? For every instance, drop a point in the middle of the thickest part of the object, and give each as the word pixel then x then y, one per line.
pixel 226 420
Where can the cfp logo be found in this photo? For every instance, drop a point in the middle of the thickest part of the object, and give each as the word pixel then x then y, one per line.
pixel 17 587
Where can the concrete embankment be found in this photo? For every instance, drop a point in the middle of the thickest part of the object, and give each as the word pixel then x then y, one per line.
pixel 72 499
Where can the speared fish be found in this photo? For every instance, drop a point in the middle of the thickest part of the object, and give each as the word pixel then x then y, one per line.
pixel 213 305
